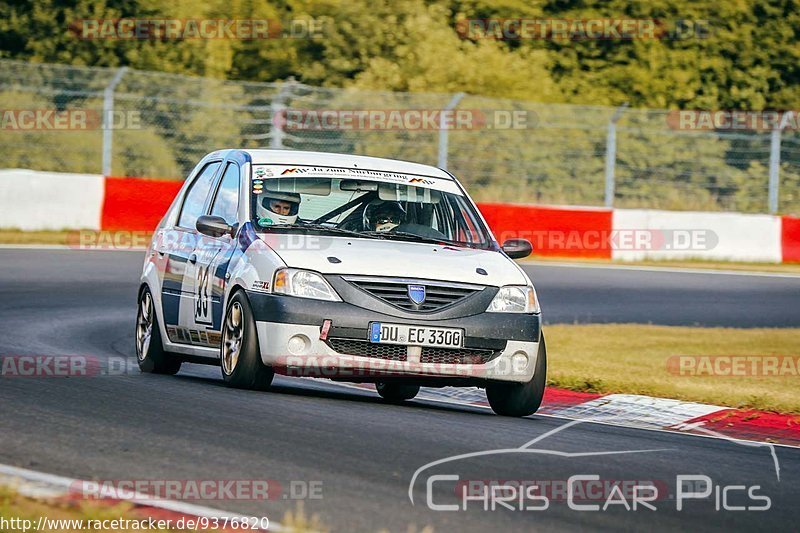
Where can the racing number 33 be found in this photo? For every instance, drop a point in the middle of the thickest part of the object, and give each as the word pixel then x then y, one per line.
pixel 201 295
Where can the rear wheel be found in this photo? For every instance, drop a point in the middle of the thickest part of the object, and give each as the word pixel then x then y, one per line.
pixel 150 353
pixel 520 399
pixel 396 392
pixel 240 356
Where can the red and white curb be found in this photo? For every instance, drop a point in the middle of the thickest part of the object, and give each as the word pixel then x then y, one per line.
pixel 36 200
pixel 41 486
pixel 644 412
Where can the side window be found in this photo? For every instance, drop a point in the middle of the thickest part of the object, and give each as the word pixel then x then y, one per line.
pixel 226 203
pixel 195 198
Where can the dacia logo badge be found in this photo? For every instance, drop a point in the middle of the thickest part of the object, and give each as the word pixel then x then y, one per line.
pixel 416 293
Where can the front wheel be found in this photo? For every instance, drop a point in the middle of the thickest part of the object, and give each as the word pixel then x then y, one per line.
pixel 396 392
pixel 150 353
pixel 520 399
pixel 240 356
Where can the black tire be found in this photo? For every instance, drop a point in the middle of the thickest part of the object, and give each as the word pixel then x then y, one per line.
pixel 245 370
pixel 520 399
pixel 396 392
pixel 150 353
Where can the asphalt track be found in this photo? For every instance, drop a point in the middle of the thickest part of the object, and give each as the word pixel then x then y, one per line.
pixel 364 453
pixel 600 294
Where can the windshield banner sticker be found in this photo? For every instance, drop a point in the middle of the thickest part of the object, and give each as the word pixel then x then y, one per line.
pixel 285 171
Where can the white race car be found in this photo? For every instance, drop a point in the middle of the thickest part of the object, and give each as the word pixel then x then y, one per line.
pixel 346 267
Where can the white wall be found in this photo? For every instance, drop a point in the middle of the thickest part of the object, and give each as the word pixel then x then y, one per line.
pixel 32 200
pixel 712 236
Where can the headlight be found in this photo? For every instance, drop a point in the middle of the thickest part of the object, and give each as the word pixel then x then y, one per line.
pixel 303 284
pixel 513 299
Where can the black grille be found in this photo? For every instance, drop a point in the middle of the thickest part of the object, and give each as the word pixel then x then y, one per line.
pixel 392 352
pixel 457 356
pixel 397 352
pixel 396 293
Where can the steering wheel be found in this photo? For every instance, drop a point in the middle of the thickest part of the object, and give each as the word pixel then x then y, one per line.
pixel 420 230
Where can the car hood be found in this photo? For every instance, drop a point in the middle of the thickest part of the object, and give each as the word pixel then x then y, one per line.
pixel 392 258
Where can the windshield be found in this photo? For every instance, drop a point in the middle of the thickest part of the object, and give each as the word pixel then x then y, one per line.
pixel 435 211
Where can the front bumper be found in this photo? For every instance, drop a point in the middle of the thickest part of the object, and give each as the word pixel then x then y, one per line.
pixel 497 346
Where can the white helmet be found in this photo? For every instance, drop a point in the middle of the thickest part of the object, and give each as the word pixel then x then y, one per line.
pixel 277 208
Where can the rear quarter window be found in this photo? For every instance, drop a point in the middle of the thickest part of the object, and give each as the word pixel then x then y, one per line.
pixel 195 200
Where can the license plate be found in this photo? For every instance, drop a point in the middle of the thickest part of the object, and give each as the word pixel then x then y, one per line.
pixel 415 335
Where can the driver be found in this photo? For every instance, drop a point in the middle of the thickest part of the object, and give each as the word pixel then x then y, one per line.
pixel 278 208
pixel 384 216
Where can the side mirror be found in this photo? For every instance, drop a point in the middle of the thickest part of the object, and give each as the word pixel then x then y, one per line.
pixel 213 226
pixel 517 248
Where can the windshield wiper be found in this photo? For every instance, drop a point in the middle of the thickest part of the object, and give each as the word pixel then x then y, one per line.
pixel 321 227
pixel 389 235
pixel 404 235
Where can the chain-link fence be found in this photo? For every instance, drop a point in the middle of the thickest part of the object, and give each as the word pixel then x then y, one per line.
pixel 151 124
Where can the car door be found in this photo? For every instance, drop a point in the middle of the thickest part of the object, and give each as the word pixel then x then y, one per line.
pixel 213 257
pixel 177 290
